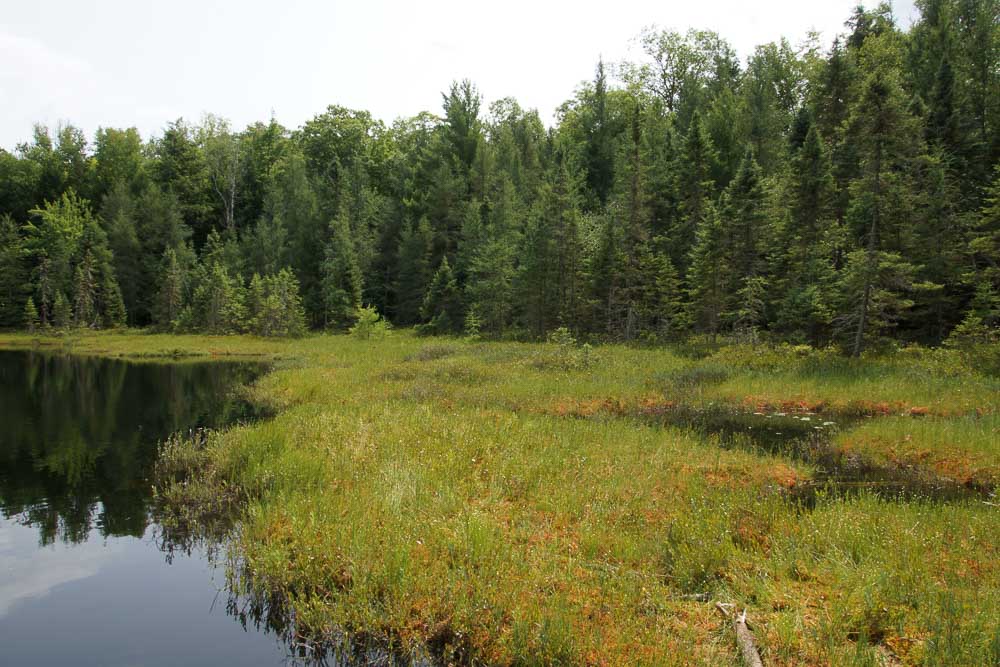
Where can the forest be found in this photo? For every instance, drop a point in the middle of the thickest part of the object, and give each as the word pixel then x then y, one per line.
pixel 844 194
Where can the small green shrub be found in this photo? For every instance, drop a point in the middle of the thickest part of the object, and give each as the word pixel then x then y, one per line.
pixel 370 324
pixel 568 355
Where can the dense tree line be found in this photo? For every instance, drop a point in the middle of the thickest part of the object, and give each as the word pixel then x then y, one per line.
pixel 843 196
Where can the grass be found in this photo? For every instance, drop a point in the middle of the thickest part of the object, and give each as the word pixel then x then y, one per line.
pixel 966 449
pixel 500 503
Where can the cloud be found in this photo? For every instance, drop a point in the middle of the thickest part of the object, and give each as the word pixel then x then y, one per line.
pixel 30 572
pixel 26 58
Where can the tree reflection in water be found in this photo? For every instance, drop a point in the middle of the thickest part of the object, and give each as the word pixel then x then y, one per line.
pixel 79 435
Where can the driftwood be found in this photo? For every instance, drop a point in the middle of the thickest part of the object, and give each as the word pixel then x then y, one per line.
pixel 744 638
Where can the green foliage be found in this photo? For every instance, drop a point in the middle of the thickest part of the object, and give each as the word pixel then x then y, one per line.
pixel 218 302
pixel 274 307
pixel 30 315
pixel 442 307
pixel 170 297
pixel 13 273
pixel 569 354
pixel 369 324
pixel 62 312
pixel 691 194
pixel 341 277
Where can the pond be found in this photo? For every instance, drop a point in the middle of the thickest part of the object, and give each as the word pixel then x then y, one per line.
pixel 83 577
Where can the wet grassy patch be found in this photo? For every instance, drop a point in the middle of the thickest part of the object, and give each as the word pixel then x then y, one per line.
pixel 488 509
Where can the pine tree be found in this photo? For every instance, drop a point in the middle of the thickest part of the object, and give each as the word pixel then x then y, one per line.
pixel 31 315
pixel 709 274
pixel 413 271
pixel 170 297
pixel 884 134
pixel 62 312
pixel 85 296
pixel 219 302
pixel 442 306
pixel 804 273
pixel 695 187
pixel 341 277
pixel 747 233
pixel 13 273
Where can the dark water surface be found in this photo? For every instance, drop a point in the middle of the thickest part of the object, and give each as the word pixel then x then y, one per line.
pixel 83 579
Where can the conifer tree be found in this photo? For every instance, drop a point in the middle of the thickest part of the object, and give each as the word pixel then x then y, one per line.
pixel 31 315
pixel 695 187
pixel 442 307
pixel 170 297
pixel 13 273
pixel 805 274
pixel 884 131
pixel 745 227
pixel 341 277
pixel 85 297
pixel 413 271
pixel 62 312
pixel 709 275
pixel 219 302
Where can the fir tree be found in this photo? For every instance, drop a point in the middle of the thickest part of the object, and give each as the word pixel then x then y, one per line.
pixel 31 315
pixel 805 274
pixel 442 307
pixel 62 312
pixel 884 133
pixel 745 227
pixel 13 273
pixel 709 274
pixel 170 297
pixel 413 271
pixel 695 187
pixel 341 277
pixel 85 296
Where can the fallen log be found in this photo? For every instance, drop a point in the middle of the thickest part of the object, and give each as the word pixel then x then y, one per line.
pixel 744 638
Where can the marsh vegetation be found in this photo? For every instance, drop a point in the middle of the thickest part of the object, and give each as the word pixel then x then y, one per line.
pixel 485 502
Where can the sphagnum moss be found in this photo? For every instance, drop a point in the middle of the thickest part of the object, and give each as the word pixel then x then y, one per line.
pixel 430 494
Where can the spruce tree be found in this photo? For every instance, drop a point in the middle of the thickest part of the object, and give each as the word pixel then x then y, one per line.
pixel 696 163
pixel 219 302
pixel 747 234
pixel 805 274
pixel 85 296
pixel 341 277
pixel 13 273
pixel 170 297
pixel 30 315
pixel 709 274
pixel 442 306
pixel 62 311
pixel 884 132
pixel 413 271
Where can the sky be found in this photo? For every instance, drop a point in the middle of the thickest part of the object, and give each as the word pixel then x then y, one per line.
pixel 123 63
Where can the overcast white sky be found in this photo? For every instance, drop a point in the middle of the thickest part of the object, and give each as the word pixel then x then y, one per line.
pixel 138 63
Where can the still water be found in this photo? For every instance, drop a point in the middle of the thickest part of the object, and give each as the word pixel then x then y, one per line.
pixel 84 579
